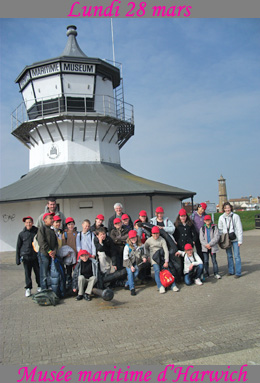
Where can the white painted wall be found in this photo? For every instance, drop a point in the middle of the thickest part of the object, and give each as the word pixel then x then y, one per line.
pixel 76 150
pixel 11 214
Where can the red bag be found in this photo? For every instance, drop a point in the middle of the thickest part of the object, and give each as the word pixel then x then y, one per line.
pixel 166 278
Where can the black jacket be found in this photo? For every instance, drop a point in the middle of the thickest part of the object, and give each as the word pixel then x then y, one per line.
pixel 47 239
pixel 185 234
pixel 24 245
pixel 107 247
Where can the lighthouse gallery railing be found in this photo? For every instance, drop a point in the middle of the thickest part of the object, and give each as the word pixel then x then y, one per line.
pixel 72 105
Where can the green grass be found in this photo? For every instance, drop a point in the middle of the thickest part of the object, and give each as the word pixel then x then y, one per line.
pixel 247 218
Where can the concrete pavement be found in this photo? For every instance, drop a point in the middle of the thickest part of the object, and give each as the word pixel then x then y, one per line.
pixel 217 323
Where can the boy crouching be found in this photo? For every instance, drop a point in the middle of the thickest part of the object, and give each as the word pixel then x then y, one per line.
pixel 193 266
pixel 84 276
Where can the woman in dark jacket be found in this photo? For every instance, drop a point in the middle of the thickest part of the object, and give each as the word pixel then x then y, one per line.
pixel 26 254
pixel 185 231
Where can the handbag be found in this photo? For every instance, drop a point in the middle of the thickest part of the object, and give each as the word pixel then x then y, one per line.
pixel 232 236
pixel 166 278
pixel 224 241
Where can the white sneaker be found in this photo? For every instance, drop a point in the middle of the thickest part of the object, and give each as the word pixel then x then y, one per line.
pixel 161 290
pixel 28 293
pixel 39 289
pixel 175 289
pixel 198 282
pixel 217 276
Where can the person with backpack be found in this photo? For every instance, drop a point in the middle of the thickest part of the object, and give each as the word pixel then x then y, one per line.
pixel 69 238
pixel 48 247
pixel 85 239
pixel 230 223
pixel 133 255
pixel 209 237
pixel 26 254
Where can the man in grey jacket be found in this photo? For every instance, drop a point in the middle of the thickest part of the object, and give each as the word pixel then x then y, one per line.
pixel 51 207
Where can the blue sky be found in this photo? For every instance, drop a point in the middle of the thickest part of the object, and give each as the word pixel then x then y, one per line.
pixel 194 84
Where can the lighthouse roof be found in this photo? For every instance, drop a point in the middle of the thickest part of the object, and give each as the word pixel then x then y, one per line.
pixel 77 180
pixel 74 54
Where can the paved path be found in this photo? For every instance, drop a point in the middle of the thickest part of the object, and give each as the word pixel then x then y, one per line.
pixel 217 323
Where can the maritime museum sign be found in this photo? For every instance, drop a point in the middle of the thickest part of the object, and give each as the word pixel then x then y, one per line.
pixel 64 67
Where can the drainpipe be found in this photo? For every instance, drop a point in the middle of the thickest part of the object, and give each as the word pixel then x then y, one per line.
pixel 151 205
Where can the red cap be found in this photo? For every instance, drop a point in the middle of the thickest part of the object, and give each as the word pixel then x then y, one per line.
pixel 125 216
pixel 142 213
pixel 207 217
pixel 137 220
pixel 56 218
pixel 203 205
pixel 159 209
pixel 25 218
pixel 182 212
pixel 132 234
pixel 100 216
pixel 46 215
pixel 117 220
pixel 69 219
pixel 83 252
pixel 155 229
pixel 188 247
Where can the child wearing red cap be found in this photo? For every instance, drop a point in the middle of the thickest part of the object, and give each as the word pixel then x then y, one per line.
pixel 198 221
pixel 162 222
pixel 185 231
pixel 84 276
pixel 133 255
pixel 209 237
pixel 127 225
pixel 193 266
pixel 119 236
pixel 153 245
pixel 99 220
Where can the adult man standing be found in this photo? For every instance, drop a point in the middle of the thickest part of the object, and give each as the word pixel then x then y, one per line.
pixel 51 207
pixel 118 207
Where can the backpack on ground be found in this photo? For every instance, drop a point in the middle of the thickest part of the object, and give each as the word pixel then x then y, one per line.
pixel 46 298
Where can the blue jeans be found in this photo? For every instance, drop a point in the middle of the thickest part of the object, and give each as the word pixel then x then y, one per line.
pixel 157 270
pixel 44 263
pixel 189 278
pixel 206 262
pixel 131 277
pixel 236 250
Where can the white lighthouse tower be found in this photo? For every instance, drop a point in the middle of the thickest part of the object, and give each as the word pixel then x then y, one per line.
pixel 73 115
pixel 74 121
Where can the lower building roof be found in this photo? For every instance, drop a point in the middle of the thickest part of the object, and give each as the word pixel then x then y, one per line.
pixel 76 180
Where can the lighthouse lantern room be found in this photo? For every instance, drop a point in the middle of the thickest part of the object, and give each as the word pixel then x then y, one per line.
pixel 70 110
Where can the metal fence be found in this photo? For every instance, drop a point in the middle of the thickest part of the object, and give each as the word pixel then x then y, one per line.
pixel 72 104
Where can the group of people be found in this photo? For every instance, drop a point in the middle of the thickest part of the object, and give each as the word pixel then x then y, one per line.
pixel 123 251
